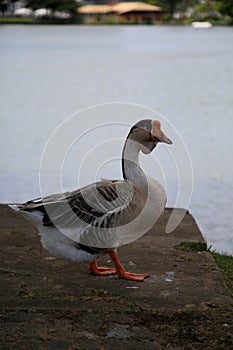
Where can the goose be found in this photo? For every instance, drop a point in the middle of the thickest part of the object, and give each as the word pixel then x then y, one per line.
pixel 84 224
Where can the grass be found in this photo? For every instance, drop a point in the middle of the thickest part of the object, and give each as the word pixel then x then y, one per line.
pixel 16 20
pixel 224 262
pixel 31 20
pixel 191 246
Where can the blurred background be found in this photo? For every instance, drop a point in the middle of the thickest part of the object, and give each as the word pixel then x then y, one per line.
pixel 50 72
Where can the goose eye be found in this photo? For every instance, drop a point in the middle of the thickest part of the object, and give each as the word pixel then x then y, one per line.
pixel 154 138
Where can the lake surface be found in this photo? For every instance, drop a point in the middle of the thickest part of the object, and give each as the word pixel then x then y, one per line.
pixel 48 73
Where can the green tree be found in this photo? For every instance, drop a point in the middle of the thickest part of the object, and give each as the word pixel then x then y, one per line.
pixel 226 7
pixel 53 5
pixel 3 6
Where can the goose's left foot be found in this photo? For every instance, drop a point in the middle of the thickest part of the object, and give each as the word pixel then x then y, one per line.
pixel 121 271
pixel 100 270
pixel 133 276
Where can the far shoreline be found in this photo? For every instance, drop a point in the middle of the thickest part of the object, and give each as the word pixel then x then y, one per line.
pixel 102 22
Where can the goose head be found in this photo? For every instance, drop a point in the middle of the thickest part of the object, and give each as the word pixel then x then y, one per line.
pixel 148 134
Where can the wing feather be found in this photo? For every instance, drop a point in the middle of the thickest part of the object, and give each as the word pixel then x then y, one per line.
pixel 93 215
pixel 97 205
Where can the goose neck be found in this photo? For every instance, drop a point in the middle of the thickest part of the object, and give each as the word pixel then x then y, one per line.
pixel 130 165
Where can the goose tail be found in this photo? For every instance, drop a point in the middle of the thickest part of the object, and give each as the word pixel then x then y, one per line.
pixel 24 206
pixel 15 206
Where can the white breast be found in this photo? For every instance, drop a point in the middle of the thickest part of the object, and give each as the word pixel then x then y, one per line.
pixel 154 207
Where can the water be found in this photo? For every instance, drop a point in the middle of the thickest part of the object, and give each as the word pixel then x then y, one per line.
pixel 50 72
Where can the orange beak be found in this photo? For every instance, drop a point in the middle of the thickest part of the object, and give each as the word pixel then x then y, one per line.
pixel 158 135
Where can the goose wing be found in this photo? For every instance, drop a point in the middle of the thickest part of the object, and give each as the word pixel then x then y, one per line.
pixel 92 214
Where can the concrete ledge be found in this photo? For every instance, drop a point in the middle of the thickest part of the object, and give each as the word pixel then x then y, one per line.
pixel 41 292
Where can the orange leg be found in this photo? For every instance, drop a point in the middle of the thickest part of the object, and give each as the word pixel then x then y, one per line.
pixel 121 271
pixel 100 271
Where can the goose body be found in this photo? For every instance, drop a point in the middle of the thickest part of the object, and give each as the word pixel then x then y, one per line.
pixel 86 223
